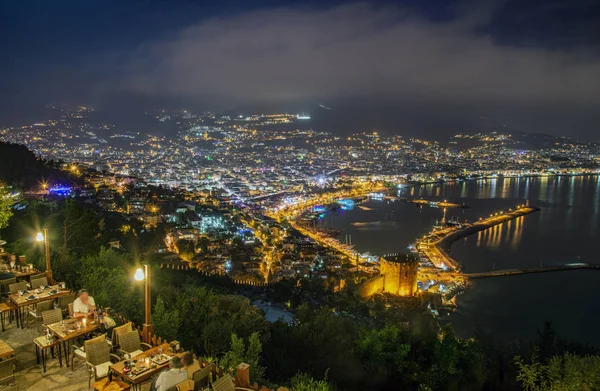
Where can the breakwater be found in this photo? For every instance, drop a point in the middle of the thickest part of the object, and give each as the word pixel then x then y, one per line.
pixel 444 244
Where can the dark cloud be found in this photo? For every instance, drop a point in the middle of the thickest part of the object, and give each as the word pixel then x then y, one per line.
pixel 360 51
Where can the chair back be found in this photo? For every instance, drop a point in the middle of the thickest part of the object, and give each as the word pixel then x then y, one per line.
pixel 117 331
pixel 64 301
pixel 224 383
pixel 193 368
pixel 18 286
pixel 7 368
pixel 97 350
pixel 43 306
pixel 36 276
pixel 201 378
pixel 51 316
pixel 186 385
pixel 4 285
pixel 71 310
pixel 130 342
pixel 36 282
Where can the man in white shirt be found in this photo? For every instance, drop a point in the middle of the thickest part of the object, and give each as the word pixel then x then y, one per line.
pixel 83 305
pixel 175 375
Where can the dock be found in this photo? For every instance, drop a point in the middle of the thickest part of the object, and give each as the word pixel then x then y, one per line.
pixel 438 252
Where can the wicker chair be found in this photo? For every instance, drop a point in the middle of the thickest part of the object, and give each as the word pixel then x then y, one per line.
pixel 16 287
pixel 40 308
pixel 37 282
pixel 118 331
pixel 51 316
pixel 64 301
pixel 98 358
pixel 226 383
pixel 7 370
pixel 130 343
pixel 201 378
pixel 4 286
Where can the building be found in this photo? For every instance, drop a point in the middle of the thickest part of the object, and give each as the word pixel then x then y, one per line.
pixel 398 276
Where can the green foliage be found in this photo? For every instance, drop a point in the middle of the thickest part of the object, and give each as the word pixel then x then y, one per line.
pixel 6 203
pixel 79 227
pixel 106 276
pixel 567 372
pixel 383 349
pixel 238 353
pixel 209 319
pixel 186 250
pixel 456 364
pixel 166 321
pixel 304 382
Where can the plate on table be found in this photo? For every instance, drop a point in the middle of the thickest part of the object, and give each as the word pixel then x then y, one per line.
pixel 53 292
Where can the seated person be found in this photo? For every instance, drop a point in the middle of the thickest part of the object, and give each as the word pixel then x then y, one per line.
pixel 13 263
pixel 189 364
pixel 168 379
pixel 83 305
pixel 5 273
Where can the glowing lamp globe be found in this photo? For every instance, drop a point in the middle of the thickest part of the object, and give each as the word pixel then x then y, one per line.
pixel 40 237
pixel 139 275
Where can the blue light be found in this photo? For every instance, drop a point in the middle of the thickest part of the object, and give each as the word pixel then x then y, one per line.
pixel 60 190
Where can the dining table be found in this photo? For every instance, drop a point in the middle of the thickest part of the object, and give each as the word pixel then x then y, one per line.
pixel 24 273
pixel 69 329
pixel 6 351
pixel 144 366
pixel 34 296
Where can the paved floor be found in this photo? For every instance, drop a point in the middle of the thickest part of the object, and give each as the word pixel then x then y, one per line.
pixel 29 374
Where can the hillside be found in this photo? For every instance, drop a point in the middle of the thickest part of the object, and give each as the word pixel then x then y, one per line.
pixel 20 168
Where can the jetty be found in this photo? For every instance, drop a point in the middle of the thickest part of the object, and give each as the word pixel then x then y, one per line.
pixel 438 251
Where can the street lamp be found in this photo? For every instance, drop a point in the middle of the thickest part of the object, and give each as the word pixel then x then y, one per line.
pixel 43 237
pixel 144 275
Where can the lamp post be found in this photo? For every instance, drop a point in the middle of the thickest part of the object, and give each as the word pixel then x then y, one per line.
pixel 144 275
pixel 43 237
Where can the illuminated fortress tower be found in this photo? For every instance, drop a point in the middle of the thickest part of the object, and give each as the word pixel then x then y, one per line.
pixel 399 273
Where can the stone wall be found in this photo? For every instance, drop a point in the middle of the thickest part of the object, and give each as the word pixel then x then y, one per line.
pixel 370 287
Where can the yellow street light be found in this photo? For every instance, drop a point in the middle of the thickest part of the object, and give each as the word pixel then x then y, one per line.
pixel 144 275
pixel 139 275
pixel 43 237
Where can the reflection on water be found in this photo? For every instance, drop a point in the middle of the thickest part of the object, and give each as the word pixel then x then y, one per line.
pixel 563 231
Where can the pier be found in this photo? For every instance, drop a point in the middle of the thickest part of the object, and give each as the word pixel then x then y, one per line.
pixel 514 272
pixel 438 252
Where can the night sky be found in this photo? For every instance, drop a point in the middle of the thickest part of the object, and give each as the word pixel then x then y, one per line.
pixel 409 67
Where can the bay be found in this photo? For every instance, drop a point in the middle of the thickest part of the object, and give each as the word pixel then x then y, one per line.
pixel 565 230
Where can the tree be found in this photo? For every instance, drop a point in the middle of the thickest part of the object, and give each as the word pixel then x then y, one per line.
pixel 238 353
pixel 384 350
pixel 567 372
pixel 6 203
pixel 186 250
pixel 166 321
pixel 106 276
pixel 79 226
